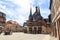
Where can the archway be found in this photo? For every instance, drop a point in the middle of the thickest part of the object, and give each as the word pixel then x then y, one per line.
pixel 39 30
pixel 35 30
pixel 30 30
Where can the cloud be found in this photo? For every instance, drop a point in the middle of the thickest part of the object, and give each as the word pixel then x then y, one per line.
pixel 45 12
pixel 18 10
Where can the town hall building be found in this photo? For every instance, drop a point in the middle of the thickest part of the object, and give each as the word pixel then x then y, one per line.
pixel 36 24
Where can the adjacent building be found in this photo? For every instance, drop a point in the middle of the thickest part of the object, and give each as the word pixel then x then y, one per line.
pixel 36 23
pixel 2 21
pixel 55 18
pixel 13 26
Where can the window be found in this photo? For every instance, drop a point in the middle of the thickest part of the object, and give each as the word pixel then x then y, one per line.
pixel 4 15
pixel 0 14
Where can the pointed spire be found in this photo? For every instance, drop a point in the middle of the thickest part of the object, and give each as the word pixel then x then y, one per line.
pixel 36 8
pixel 30 16
pixel 38 13
pixel 30 11
pixel 39 10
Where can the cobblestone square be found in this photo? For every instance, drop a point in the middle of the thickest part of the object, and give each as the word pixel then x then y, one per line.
pixel 23 36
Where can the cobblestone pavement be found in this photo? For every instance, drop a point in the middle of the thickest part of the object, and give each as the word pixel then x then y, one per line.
pixel 23 36
pixel 53 38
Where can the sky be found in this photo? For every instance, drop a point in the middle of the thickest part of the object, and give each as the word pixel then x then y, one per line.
pixel 19 10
